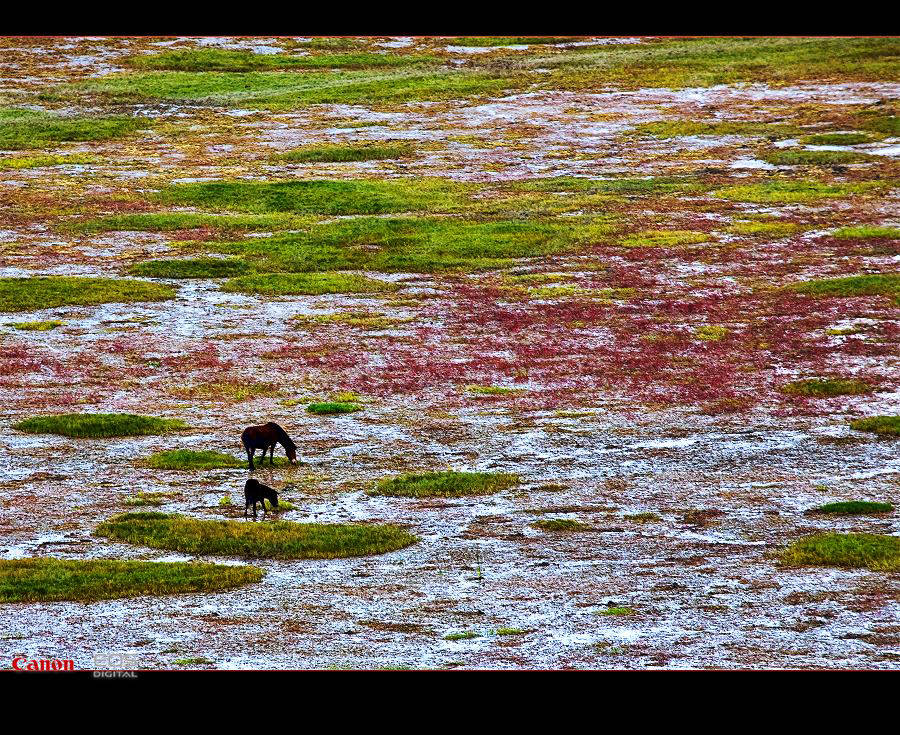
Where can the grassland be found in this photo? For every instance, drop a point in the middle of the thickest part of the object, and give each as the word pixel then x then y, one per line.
pixel 849 550
pixel 854 507
pixel 445 484
pixel 876 284
pixel 47 292
pixel 278 539
pixel 53 580
pixel 885 426
pixel 332 408
pixel 310 284
pixel 98 425
pixel 25 128
pixel 227 60
pixel 192 268
pixel 187 459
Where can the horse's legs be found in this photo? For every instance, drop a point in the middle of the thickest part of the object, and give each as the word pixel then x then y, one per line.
pixel 271 456
pixel 250 453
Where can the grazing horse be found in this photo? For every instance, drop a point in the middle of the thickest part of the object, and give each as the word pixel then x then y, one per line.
pixel 265 437
pixel 255 492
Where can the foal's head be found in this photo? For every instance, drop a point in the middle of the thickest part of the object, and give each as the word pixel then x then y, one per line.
pixel 270 495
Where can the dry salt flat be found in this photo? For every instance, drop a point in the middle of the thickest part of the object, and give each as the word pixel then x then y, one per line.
pixel 590 271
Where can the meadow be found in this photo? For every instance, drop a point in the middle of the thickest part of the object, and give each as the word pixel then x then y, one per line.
pixel 588 347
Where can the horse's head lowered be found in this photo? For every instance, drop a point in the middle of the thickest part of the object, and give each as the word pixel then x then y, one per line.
pixel 291 453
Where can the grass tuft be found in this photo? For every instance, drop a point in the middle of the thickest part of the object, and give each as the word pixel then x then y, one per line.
pixel 876 552
pixel 307 284
pixel 22 128
pixel 445 484
pixel 876 284
pixel 277 539
pixel 192 268
pixel 854 507
pixel 826 387
pixel 44 326
pixel 332 408
pixel 47 292
pixel 187 459
pixel 886 426
pixel 560 524
pixel 86 580
pixel 98 425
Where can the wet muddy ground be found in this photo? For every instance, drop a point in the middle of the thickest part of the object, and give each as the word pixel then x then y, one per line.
pixel 729 484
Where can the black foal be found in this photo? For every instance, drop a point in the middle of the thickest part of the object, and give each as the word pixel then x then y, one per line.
pixel 255 492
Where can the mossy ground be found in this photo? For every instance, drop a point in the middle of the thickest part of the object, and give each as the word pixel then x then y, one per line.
pixel 445 484
pixel 826 387
pixel 277 539
pixel 188 459
pixel 47 292
pixel 878 284
pixel 26 128
pixel 849 550
pixel 51 580
pixel 98 425
pixel 854 507
pixel 192 268
pixel 333 408
pixel 886 426
pixel 560 524
pixel 311 284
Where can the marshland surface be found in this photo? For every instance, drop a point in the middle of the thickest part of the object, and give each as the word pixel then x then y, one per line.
pixel 647 284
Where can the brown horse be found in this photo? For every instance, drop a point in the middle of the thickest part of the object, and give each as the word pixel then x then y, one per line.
pixel 265 437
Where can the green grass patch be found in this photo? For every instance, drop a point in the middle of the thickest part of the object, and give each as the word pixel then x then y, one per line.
pixel 307 284
pixel 773 229
pixel 854 507
pixel 346 152
pixel 878 284
pixel 45 326
pixel 173 221
pixel 490 41
pixel 616 612
pixel 98 425
pixel 886 426
pixel 711 332
pixel 868 232
pixel 192 268
pixel 408 245
pixel 560 524
pixel 664 239
pixel 490 390
pixel 22 128
pixel 445 484
pixel 47 292
pixel 463 636
pixel 277 90
pixel 278 539
pixel 187 459
pixel 198 661
pixel 86 580
pixel 647 517
pixel 144 499
pixel 22 162
pixel 332 408
pixel 212 59
pixel 511 631
pixel 319 196
pixel 838 138
pixel 848 550
pixel 826 387
pixel 677 63
pixel 785 191
pixel 799 157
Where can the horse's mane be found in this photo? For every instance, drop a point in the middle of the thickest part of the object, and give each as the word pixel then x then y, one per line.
pixel 285 440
